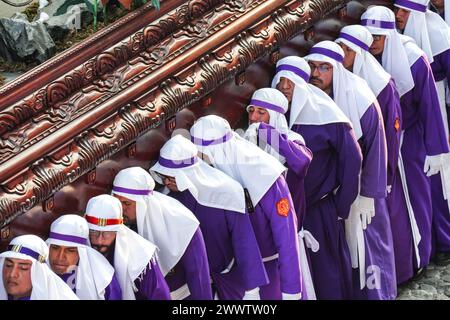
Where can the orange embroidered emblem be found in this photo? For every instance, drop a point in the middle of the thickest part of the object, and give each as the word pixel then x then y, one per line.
pixel 283 207
pixel 397 124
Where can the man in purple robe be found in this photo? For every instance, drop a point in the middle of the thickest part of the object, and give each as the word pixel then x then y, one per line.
pixel 270 204
pixel 422 141
pixel 159 219
pixel 219 203
pixel 331 183
pixel 133 257
pixel 269 130
pixel 432 35
pixel 266 111
pixel 356 40
pixel 371 249
pixel 85 270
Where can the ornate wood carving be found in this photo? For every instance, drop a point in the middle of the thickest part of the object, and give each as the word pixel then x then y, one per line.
pixel 94 111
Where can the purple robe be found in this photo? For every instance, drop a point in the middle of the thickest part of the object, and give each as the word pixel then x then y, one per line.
pixel 112 291
pixel 228 237
pixel 423 135
pixel 441 214
pixel 150 283
pixel 379 249
pixel 298 157
pixel 390 107
pixel 331 186
pixel 276 233
pixel 193 270
pixel 23 298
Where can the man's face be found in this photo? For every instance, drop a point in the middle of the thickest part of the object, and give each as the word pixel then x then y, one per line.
pixel 170 183
pixel 102 240
pixel 287 87
pixel 378 43
pixel 321 75
pixel 17 277
pixel 257 114
pixel 438 3
pixel 129 209
pixel 349 56
pixel 62 258
pixel 401 18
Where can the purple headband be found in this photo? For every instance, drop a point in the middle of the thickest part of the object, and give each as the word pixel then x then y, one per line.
pixel 266 105
pixel 27 251
pixel 354 40
pixel 411 5
pixel 378 24
pixel 132 191
pixel 69 238
pixel 302 74
pixel 204 143
pixel 327 52
pixel 177 164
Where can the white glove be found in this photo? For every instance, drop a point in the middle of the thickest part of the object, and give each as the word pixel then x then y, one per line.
pixel 252 133
pixel 291 296
pixel 389 189
pixel 252 294
pixel 432 165
pixel 366 208
pixel 309 240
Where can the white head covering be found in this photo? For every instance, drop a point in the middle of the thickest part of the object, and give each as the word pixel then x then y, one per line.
pixel 47 285
pixel 276 105
pixel 447 11
pixel 427 28
pixel 209 186
pixel 380 20
pixel 359 39
pixel 160 219
pixel 310 105
pixel 253 168
pixel 132 252
pixel 351 93
pixel 94 273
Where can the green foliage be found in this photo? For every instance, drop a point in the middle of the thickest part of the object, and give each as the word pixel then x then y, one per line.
pixel 31 11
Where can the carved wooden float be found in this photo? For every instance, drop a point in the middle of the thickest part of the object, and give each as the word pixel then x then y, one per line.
pixel 69 125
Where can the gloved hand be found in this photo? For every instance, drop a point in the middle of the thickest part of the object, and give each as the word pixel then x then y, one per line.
pixel 252 294
pixel 251 134
pixel 389 189
pixel 308 238
pixel 432 165
pixel 366 208
pixel 291 296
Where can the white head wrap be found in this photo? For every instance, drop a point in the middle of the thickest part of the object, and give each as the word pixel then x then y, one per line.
pixel 310 105
pixel 132 252
pixel 351 93
pixel 380 20
pixel 160 219
pixel 209 186
pixel 47 285
pixel 359 39
pixel 427 28
pixel 253 168
pixel 276 104
pixel 93 273
pixel 447 11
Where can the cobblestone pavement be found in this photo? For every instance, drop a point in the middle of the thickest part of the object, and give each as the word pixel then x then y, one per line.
pixel 434 285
